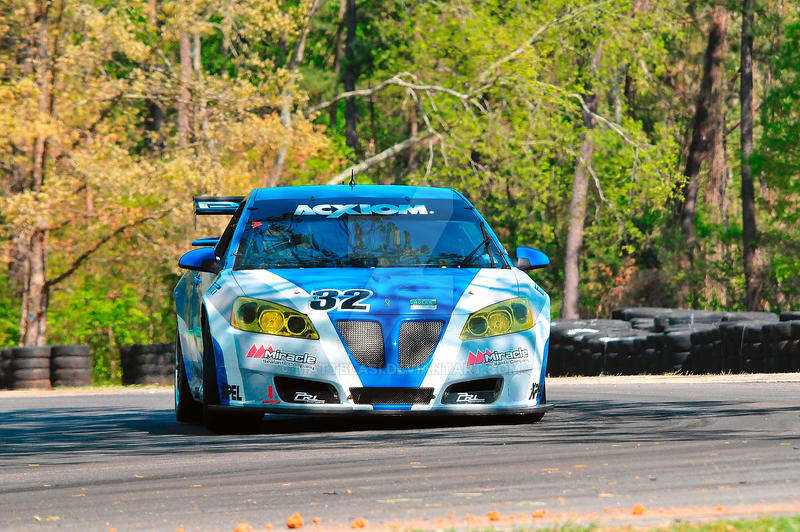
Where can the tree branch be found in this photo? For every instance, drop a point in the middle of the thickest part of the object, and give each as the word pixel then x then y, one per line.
pixel 397 80
pixel 97 245
pixel 486 74
pixel 380 157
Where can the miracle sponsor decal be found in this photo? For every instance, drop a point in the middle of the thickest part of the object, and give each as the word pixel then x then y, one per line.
pixel 335 210
pixel 270 355
pixel 495 358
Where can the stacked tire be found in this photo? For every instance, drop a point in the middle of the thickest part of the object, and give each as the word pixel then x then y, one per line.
pixel 5 368
pixel 70 365
pixel 148 364
pixel 30 367
pixel 662 340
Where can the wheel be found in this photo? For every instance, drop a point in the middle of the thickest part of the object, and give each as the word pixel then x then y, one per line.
pixel 187 410
pixel 537 417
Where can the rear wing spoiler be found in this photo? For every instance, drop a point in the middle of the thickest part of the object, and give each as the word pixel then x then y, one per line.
pixel 211 205
pixel 205 242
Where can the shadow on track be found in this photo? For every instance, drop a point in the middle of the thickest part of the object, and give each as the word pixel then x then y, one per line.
pixel 74 432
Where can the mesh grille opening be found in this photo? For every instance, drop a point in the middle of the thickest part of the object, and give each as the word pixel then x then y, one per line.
pixel 364 339
pixel 392 396
pixel 417 341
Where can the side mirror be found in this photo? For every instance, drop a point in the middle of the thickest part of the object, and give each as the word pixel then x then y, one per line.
pixel 200 260
pixel 531 259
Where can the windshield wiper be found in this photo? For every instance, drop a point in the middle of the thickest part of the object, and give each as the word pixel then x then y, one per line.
pixel 487 239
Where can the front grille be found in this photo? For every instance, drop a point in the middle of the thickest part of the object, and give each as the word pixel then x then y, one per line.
pixel 417 341
pixel 364 339
pixel 392 396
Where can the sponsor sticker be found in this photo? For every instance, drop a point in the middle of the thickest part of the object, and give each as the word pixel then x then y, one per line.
pixel 333 210
pixel 347 300
pixel 469 398
pixel 303 397
pixel 534 392
pixel 422 304
pixel 496 358
pixel 271 400
pixel 270 355
pixel 231 392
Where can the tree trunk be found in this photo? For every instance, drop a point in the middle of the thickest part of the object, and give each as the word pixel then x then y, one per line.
pixel 35 295
pixel 577 213
pixel 200 96
pixel 184 95
pixel 577 203
pixel 716 189
pixel 350 75
pixel 702 136
pixel 33 245
pixel 752 274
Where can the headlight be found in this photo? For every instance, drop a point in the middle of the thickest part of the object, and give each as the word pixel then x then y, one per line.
pixel 265 317
pixel 510 316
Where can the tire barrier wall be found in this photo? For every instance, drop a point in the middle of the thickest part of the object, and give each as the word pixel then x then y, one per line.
pixel 5 368
pixel 659 340
pixel 30 367
pixel 70 365
pixel 148 364
pixel 45 366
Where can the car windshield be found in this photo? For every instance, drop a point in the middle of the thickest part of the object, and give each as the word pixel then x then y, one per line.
pixel 281 234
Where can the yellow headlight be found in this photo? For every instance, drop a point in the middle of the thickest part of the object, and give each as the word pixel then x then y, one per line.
pixel 265 317
pixel 510 316
pixel 270 321
pixel 499 322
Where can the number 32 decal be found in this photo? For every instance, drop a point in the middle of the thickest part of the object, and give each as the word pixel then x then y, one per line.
pixel 348 300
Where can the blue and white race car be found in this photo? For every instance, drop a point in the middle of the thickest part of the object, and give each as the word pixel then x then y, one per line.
pixel 357 299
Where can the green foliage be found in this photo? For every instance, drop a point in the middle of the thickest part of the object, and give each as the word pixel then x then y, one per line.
pixel 109 318
pixel 9 316
pixel 778 165
pixel 496 85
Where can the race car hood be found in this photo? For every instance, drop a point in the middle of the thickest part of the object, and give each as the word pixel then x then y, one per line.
pixel 387 291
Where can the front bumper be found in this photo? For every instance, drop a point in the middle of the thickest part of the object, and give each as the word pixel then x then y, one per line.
pixel 367 410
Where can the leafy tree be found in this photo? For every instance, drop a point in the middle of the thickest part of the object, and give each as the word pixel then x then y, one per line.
pixel 778 164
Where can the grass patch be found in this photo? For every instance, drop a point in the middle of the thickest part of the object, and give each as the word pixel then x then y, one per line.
pixel 760 524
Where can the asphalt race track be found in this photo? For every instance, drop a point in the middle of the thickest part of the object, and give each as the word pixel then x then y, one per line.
pixel 615 450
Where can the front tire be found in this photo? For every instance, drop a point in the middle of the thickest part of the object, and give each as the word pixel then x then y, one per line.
pixel 187 410
pixel 535 418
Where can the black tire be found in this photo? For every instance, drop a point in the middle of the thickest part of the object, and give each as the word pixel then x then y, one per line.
pixel 30 374
pixel 30 363
pixel 70 351
pixel 153 370
pixel 214 421
pixel 187 410
pixel 151 359
pixel 71 377
pixel 30 383
pixel 71 362
pixel 537 417
pixel 33 351
pixel 5 367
